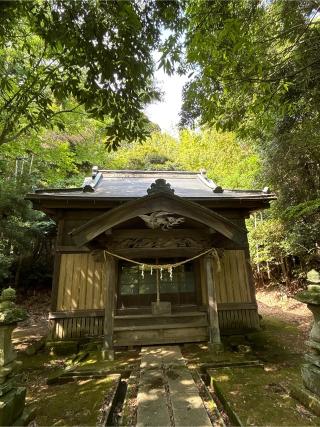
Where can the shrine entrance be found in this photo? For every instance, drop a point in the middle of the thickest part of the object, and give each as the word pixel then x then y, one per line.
pixel 137 285
pixel 160 254
pixel 118 225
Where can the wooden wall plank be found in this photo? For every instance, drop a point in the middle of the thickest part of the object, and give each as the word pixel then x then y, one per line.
pixel 88 302
pixel 241 265
pixel 68 281
pixel 247 272
pixel 236 280
pixel 62 280
pixel 249 276
pixel 242 283
pixel 96 284
pixel 75 282
pixel 220 280
pixel 110 303
pixel 83 282
pixel 224 282
pixel 55 282
pixel 216 276
pixel 233 285
pixel 102 286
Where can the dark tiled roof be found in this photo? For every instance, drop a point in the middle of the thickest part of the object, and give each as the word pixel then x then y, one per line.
pixel 128 184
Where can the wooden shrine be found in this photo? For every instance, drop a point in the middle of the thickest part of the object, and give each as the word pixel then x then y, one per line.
pixel 150 258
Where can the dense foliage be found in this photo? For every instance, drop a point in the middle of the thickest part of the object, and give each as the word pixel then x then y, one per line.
pixel 254 69
pixel 230 162
pixel 48 158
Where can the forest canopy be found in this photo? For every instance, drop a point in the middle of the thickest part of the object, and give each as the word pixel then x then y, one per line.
pixel 97 52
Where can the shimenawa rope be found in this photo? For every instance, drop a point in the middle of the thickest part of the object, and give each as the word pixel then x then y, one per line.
pixel 212 251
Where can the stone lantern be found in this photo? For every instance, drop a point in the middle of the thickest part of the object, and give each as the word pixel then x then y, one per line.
pixel 12 398
pixel 311 370
pixel 10 315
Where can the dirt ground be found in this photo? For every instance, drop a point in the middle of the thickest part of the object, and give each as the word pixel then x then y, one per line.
pixel 36 325
pixel 287 309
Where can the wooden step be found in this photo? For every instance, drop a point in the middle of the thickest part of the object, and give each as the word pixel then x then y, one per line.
pixel 202 322
pixel 160 321
pixel 150 336
pixel 153 316
pixel 176 309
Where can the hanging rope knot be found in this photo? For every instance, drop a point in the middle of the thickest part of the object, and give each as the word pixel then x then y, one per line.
pixel 215 255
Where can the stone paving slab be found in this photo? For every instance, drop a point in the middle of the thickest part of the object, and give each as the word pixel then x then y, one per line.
pixel 152 401
pixel 167 393
pixel 156 357
pixel 187 405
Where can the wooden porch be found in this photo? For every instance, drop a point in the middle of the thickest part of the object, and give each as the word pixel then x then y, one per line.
pixel 148 329
pixel 82 324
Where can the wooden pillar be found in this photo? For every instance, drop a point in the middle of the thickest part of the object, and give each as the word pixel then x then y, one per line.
pixel 110 280
pixel 56 269
pixel 214 330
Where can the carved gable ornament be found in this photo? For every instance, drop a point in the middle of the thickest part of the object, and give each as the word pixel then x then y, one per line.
pixel 160 186
pixel 161 219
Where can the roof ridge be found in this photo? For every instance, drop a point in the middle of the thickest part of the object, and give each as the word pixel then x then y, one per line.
pixel 143 172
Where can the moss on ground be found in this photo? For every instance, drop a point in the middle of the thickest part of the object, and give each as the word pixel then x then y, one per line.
pixel 123 361
pixel 277 342
pixel 74 403
pixel 260 395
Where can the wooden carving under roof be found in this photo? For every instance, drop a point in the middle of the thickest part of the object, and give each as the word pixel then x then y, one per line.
pixel 161 219
pixel 159 242
pixel 162 201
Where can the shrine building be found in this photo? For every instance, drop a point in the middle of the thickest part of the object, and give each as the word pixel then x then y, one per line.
pixel 151 257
